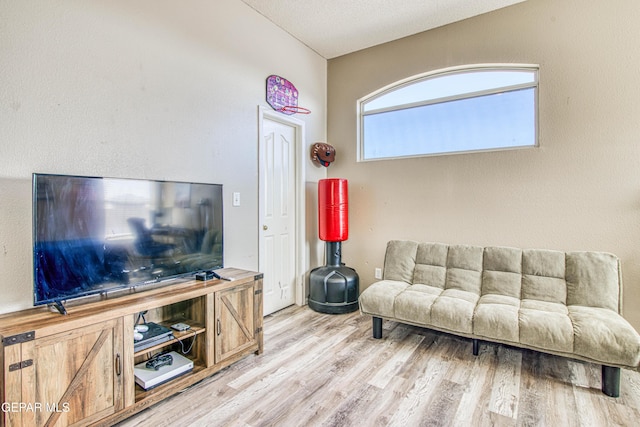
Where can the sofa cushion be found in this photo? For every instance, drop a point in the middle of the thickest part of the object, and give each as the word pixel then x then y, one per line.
pixel 603 335
pixel 503 259
pixel 431 263
pixel 453 310
pixel 465 257
pixel 380 297
pixel 432 254
pixel 501 283
pixel 464 268
pixel 592 280
pixel 400 260
pixel 415 302
pixel 502 271
pixel 545 325
pixel 541 262
pixel 496 317
pixel 431 275
pixel 543 276
pixel 541 288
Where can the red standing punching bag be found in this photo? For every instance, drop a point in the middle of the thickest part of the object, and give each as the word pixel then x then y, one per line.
pixel 333 210
pixel 333 288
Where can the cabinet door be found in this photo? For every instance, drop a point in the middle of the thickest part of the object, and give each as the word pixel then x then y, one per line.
pixel 76 376
pixel 12 385
pixel 235 330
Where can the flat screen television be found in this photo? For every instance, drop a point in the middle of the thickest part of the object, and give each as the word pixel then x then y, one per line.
pixel 95 235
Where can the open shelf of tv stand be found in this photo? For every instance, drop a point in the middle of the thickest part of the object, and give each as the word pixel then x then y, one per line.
pixel 97 339
pixel 184 336
pixel 158 393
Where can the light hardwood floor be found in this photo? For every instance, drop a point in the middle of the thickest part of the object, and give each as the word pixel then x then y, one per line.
pixel 327 370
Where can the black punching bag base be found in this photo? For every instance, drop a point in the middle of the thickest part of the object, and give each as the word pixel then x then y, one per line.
pixel 333 289
pixel 333 308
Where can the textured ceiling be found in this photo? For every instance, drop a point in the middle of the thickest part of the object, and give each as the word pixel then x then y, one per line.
pixel 336 27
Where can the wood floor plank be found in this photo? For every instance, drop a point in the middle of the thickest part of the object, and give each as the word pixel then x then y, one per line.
pixel 506 383
pixel 247 398
pixel 393 364
pixel 291 352
pixel 380 411
pixel 415 403
pixel 308 382
pixel 327 370
pixel 443 404
pixel 630 389
pixel 534 389
pixel 350 370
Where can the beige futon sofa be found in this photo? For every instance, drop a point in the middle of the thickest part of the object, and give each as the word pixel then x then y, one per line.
pixel 566 304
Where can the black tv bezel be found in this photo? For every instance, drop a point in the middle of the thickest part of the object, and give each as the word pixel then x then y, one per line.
pixel 58 303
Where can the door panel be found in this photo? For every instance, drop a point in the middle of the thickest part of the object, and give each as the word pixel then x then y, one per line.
pixel 13 384
pixel 278 197
pixel 235 330
pixel 75 376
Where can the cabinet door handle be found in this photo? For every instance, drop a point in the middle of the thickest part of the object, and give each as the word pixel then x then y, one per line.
pixel 118 365
pixel 219 327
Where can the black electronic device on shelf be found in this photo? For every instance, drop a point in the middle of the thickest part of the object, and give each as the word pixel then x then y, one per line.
pixel 153 335
pixel 210 274
pixel 159 361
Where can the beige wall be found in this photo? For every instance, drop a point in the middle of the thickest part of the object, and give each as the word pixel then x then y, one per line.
pixel 580 190
pixel 143 89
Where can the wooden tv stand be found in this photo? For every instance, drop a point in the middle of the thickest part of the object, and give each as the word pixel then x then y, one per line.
pixel 78 369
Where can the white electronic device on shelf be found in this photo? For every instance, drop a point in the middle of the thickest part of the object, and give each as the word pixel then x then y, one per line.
pixel 148 377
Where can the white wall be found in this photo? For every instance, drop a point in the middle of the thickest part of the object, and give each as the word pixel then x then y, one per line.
pixel 580 190
pixel 142 89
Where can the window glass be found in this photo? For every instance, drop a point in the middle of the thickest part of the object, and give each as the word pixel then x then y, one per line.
pixel 468 109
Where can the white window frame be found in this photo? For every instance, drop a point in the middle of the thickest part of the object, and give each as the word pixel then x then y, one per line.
pixel 361 113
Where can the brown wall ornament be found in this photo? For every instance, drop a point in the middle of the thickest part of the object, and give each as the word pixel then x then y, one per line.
pixel 323 154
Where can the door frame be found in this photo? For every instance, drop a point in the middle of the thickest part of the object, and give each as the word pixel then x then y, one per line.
pixel 299 182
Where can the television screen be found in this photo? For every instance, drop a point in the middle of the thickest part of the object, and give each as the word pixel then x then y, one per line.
pixel 94 235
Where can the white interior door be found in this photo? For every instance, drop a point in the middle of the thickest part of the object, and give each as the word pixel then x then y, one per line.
pixel 278 213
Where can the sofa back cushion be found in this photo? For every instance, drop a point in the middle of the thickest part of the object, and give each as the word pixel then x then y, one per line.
pixel 502 271
pixel 400 260
pixel 464 268
pixel 573 278
pixel 435 264
pixel 543 276
pixel 593 280
pixel 431 265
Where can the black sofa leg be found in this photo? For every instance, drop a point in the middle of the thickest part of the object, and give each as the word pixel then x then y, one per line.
pixel 476 347
pixel 377 327
pixel 611 381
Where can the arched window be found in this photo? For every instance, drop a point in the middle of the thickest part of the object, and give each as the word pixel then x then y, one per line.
pixel 461 109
